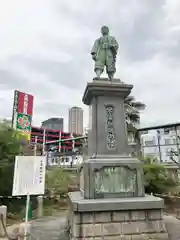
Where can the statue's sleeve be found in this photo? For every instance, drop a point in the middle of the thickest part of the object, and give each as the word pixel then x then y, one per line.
pixel 115 44
pixel 95 47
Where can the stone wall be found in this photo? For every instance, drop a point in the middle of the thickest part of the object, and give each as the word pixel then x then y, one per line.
pixel 135 225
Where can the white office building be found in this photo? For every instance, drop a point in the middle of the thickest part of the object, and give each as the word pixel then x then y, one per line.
pixel 160 144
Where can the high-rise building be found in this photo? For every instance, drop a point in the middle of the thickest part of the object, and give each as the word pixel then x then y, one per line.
pixel 76 120
pixel 53 124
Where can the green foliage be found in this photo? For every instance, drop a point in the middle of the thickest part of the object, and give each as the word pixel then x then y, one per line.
pixel 57 181
pixel 132 108
pixel 11 143
pixel 9 147
pixel 156 177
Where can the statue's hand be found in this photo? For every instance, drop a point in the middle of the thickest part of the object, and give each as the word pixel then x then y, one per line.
pixel 94 57
pixel 112 47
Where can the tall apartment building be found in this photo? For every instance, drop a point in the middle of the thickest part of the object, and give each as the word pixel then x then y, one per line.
pixel 76 120
pixel 54 124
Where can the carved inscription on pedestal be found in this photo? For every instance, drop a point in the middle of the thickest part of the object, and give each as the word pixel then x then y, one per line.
pixel 116 180
pixel 111 133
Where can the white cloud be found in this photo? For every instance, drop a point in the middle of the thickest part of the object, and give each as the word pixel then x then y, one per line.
pixel 45 48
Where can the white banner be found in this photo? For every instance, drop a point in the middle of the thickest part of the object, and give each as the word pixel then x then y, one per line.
pixel 29 175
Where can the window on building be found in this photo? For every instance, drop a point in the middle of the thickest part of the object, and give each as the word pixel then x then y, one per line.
pixel 166 131
pixel 167 141
pixel 144 132
pixel 168 152
pixel 150 154
pixel 149 143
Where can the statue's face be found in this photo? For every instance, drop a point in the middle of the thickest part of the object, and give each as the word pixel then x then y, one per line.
pixel 105 30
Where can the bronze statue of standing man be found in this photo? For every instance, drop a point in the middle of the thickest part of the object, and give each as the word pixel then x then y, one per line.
pixel 104 53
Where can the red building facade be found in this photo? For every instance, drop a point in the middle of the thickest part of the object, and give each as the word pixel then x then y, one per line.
pixel 42 136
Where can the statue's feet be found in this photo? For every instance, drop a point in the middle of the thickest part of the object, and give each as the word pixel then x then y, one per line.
pixel 110 76
pixel 98 73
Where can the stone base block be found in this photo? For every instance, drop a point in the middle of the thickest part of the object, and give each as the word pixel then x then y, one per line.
pixel 3 213
pixel 158 236
pixel 111 219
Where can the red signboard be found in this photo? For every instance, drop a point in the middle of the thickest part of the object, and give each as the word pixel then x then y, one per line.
pixel 25 103
pixel 22 112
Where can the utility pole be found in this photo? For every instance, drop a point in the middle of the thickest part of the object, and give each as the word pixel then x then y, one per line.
pixel 177 144
pixel 44 142
pixel 35 146
pixel 59 150
pixel 159 146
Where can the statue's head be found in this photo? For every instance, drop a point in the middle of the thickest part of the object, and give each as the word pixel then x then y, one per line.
pixel 105 30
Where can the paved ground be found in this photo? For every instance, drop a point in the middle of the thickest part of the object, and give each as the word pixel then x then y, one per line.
pixel 53 228
pixel 49 228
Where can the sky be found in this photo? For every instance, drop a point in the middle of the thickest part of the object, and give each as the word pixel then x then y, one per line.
pixel 45 51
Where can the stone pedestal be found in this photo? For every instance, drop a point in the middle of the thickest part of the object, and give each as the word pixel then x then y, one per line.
pixel 111 219
pixel 111 202
pixel 115 178
pixel 107 136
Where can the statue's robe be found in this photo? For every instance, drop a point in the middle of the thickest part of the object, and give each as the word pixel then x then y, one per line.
pixel 105 50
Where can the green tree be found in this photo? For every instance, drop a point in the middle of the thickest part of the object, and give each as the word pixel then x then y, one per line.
pixel 10 146
pixel 156 178
pixel 132 111
pixel 57 181
pixel 132 116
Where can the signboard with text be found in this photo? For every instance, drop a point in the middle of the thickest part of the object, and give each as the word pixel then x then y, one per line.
pixel 23 122
pixel 22 112
pixel 29 175
pixel 25 103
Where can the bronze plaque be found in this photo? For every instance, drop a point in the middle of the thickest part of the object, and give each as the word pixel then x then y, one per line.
pixel 115 180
